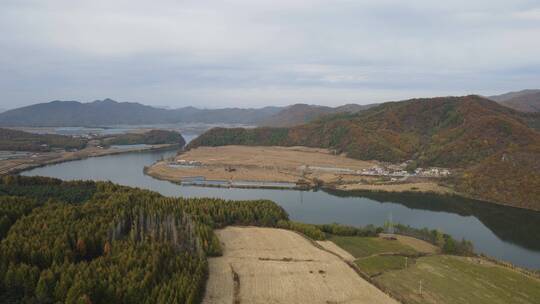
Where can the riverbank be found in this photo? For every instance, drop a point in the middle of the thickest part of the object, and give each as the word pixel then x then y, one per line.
pixel 419 187
pixel 491 227
pixel 266 167
pixel 17 165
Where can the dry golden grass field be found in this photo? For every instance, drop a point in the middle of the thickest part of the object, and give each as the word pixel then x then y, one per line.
pixel 266 265
pixel 427 186
pixel 278 164
pixel 284 164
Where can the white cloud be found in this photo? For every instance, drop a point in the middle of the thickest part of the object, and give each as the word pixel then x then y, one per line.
pixel 227 50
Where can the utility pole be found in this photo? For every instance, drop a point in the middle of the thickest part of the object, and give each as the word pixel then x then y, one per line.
pixel 420 288
pixel 389 225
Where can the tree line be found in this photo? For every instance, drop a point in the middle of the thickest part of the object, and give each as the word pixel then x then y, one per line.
pixel 15 140
pixel 97 242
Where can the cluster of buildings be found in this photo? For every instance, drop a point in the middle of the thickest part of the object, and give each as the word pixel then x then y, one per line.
pixel 188 162
pixel 382 171
pixel 432 172
pixel 391 170
pixel 400 171
pixel 182 163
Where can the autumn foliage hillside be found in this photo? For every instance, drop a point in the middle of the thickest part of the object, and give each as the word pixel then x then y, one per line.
pixel 468 133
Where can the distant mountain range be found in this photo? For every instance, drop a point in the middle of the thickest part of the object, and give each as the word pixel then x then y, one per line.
pixel 303 113
pixel 496 149
pixel 524 101
pixel 110 112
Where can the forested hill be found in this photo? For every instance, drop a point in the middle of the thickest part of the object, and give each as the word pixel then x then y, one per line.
pixel 152 137
pixel 73 113
pixel 14 140
pixel 110 112
pixel 96 242
pixel 299 114
pixel 495 146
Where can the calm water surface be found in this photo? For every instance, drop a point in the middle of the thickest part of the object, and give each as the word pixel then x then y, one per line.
pixel 506 233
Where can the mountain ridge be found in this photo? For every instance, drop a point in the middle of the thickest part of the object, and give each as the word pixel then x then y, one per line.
pixel 109 112
pixel 524 101
pixel 59 113
pixel 494 149
pixel 302 113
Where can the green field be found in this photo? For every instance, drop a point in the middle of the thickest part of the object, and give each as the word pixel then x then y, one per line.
pixel 377 264
pixel 445 279
pixel 367 246
pixel 450 279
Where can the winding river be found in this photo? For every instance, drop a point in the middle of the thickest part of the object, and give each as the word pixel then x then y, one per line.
pixel 506 233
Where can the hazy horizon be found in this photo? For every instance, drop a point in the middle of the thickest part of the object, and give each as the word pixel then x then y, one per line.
pixel 3 109
pixel 238 53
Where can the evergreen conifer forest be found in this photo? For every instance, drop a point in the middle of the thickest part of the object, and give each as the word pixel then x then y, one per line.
pixel 97 242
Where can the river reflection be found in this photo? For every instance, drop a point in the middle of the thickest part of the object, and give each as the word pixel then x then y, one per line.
pixel 507 233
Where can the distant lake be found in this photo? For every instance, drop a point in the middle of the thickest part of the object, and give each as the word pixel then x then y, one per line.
pixel 506 233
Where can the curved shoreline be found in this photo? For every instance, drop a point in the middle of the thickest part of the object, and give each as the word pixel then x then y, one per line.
pixel 332 189
pixel 429 186
pixel 449 192
pixel 80 155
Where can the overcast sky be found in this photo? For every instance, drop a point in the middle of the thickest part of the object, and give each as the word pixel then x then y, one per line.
pixel 255 53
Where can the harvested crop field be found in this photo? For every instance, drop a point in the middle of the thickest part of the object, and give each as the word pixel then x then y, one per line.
pixel 287 157
pixel 275 164
pixel 265 265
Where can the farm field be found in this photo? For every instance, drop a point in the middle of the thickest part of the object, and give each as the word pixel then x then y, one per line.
pixel 366 246
pixel 437 278
pixel 451 279
pixel 262 156
pixel 277 164
pixel 309 166
pixel 377 264
pixel 265 265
